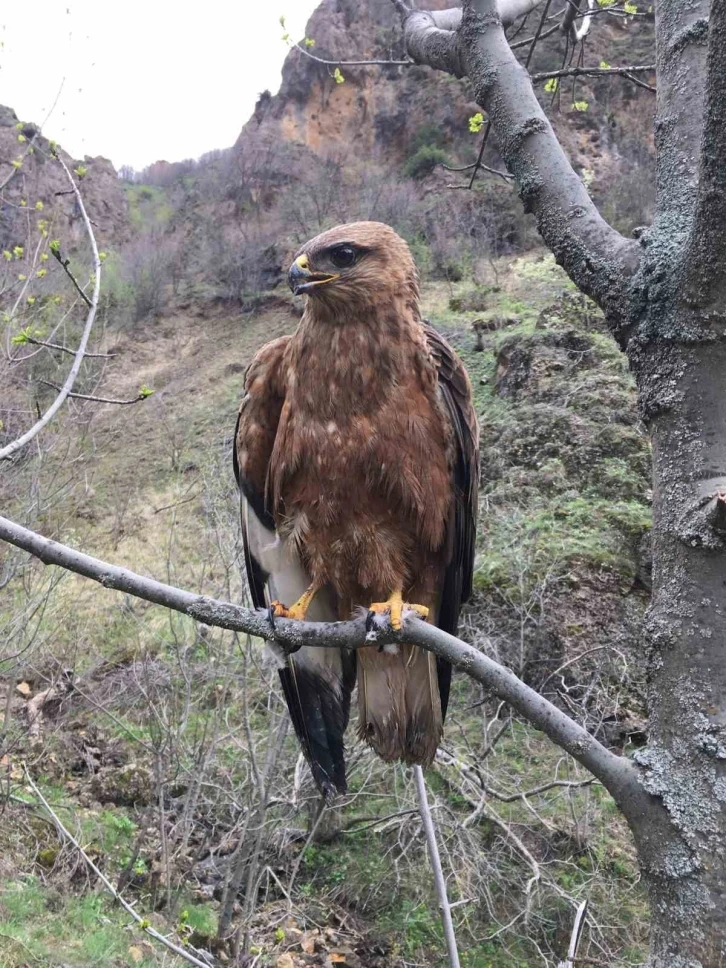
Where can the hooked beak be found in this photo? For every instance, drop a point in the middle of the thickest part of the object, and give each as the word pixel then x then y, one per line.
pixel 301 279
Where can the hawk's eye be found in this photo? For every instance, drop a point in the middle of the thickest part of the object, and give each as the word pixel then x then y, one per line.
pixel 343 256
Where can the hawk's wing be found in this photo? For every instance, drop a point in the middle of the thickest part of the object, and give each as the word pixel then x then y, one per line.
pixel 456 396
pixel 317 682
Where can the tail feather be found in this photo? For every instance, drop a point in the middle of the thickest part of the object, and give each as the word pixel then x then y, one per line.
pixel 319 700
pixel 399 706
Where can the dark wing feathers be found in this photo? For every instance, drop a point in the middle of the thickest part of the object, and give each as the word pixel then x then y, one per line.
pixel 456 396
pixel 317 683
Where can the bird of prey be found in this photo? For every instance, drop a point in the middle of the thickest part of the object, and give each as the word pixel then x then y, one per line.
pixel 356 454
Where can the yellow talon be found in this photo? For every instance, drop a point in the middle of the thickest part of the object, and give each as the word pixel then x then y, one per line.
pixel 299 609
pixel 396 606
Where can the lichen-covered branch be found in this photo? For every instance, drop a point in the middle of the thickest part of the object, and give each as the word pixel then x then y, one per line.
pixel 707 245
pixel 615 772
pixel 681 37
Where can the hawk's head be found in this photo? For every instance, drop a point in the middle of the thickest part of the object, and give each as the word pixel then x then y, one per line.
pixel 356 265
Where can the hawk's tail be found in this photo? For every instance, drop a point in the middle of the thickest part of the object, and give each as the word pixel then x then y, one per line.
pixel 399 706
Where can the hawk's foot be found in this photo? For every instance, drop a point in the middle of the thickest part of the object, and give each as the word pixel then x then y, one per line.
pixel 394 607
pixel 297 611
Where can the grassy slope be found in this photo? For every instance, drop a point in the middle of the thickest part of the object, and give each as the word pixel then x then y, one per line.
pixel 564 503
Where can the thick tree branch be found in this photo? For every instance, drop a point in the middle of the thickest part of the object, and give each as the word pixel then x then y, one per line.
pixel 427 43
pixel 615 772
pixel 681 34
pixel 706 259
pixel 12 448
pixel 596 257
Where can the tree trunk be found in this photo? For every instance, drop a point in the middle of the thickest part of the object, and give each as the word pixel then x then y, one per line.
pixel 684 766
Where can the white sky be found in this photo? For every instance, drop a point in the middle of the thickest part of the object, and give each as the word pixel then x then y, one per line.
pixel 143 80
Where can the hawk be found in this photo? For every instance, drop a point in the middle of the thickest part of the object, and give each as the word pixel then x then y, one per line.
pixel 356 455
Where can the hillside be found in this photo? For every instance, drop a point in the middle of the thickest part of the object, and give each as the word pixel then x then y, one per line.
pixel 165 747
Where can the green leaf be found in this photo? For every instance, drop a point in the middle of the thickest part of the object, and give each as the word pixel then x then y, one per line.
pixel 22 337
pixel 552 85
pixel 476 122
pixel 81 171
pixel 309 42
pixel 580 105
pixel 338 76
pixel 145 392
pixel 630 8
pixel 604 66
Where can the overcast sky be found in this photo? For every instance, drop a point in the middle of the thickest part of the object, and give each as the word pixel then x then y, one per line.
pixel 143 80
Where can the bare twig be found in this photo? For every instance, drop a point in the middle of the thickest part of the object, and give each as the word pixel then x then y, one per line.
pixel 381 62
pixel 598 72
pixel 65 264
pixel 66 349
pixel 88 396
pixel 16 445
pixel 439 879
pixel 569 962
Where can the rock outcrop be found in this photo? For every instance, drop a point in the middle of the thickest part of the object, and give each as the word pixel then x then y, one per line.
pixel 37 178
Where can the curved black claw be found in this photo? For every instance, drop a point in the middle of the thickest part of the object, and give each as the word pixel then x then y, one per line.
pixel 287 647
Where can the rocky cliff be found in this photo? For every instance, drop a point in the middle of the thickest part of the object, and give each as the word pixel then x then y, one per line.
pixel 30 176
pixel 380 115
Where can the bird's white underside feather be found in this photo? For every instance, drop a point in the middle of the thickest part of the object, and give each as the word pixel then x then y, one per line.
pixel 287 581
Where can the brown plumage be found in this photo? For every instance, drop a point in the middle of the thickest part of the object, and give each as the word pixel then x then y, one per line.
pixel 357 457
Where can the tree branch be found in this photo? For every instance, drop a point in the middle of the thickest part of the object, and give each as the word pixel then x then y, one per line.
pixel 381 62
pixel 88 396
pixel 597 72
pixel 615 772
pixel 706 260
pixel 438 871
pixel 681 33
pixel 11 448
pixel 427 43
pixel 596 257
pixel 66 349
pixel 65 264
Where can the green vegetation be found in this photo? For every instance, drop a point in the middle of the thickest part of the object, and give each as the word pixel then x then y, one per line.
pixel 148 207
pixel 424 160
